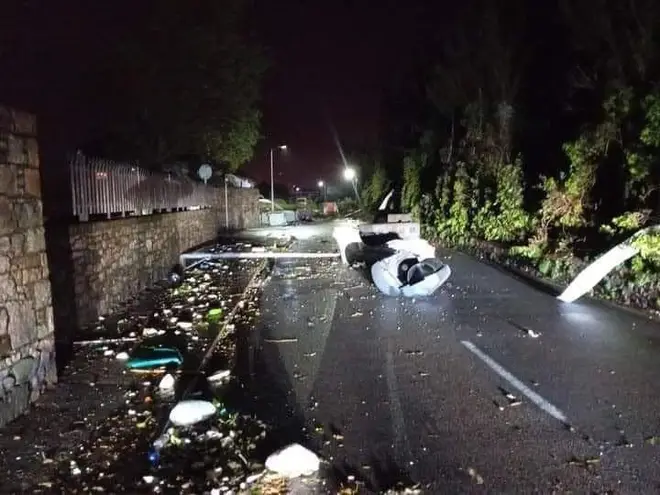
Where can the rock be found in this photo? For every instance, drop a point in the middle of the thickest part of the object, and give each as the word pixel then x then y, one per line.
pixel 190 412
pixel 24 369
pixel 293 461
pixel 8 383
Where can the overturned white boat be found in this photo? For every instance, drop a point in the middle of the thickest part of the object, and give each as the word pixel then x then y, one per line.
pixel 400 264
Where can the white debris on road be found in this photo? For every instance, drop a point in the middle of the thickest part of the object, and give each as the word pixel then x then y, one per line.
pixel 190 412
pixel 293 461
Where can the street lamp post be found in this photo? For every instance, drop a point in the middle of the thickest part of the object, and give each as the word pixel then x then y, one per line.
pixel 322 188
pixel 351 175
pixel 272 178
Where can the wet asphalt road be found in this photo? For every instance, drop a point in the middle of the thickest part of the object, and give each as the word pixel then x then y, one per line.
pixel 420 387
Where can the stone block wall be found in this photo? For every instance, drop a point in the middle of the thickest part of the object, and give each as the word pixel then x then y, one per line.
pixel 110 261
pixel 27 354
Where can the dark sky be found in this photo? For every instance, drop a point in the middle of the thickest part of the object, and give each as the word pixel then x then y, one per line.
pixel 331 62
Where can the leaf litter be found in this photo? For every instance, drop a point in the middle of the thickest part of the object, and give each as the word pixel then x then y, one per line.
pixel 218 454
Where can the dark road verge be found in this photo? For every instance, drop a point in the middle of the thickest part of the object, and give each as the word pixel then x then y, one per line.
pixel 94 431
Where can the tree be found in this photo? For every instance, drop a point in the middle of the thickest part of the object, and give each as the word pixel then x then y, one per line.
pixel 375 188
pixel 191 83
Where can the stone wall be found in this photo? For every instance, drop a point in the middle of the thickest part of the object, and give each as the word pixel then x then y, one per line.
pixel 27 354
pixel 104 263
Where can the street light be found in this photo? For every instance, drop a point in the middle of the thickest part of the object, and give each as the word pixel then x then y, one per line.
pixel 351 175
pixel 321 185
pixel 272 179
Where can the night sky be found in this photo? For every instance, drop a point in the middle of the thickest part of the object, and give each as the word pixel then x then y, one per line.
pixel 330 64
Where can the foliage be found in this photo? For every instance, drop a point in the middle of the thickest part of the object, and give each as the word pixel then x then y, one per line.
pixel 567 200
pixel 509 220
pixel 642 161
pixel 554 157
pixel 347 205
pixel 649 248
pixel 375 188
pixel 412 184
pixel 189 84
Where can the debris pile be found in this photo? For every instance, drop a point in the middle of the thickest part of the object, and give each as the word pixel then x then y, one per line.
pixel 177 431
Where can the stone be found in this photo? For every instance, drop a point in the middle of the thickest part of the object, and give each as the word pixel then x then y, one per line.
pixel 32 149
pixel 42 294
pixel 15 404
pixel 16 150
pixel 8 289
pixel 28 214
pixel 24 370
pixel 4 321
pixel 35 242
pixel 45 322
pixel 22 326
pixel 5 346
pixel 17 244
pixel 7 221
pixel 8 382
pixel 32 183
pixel 4 263
pixel 8 180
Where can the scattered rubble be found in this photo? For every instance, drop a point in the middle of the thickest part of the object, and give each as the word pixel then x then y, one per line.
pixel 210 445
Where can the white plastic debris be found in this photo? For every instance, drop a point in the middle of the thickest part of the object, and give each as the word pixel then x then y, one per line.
pixel 190 412
pixel 588 278
pixel 108 352
pixel 122 356
pixel 184 325
pixel 293 461
pixel 166 383
pixel 219 376
pixel 405 274
pixel 148 332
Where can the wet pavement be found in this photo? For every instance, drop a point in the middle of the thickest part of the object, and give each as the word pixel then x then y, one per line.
pixel 489 386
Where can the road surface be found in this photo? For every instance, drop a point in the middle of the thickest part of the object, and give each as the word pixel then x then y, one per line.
pixel 489 386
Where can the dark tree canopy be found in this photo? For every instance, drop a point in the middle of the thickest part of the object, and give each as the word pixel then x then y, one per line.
pixel 189 81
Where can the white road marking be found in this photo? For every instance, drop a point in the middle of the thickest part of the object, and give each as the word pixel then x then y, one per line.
pixel 522 388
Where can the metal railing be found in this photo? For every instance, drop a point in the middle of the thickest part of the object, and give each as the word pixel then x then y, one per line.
pixel 103 187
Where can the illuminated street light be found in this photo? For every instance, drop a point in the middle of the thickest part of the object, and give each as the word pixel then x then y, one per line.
pixel 272 179
pixel 351 175
pixel 320 183
pixel 297 189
